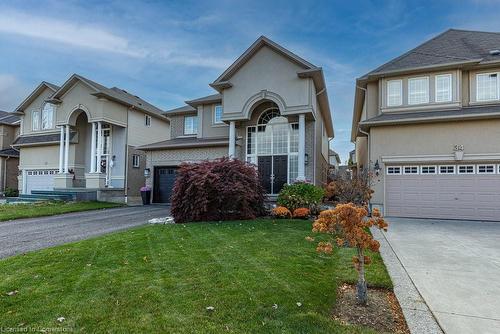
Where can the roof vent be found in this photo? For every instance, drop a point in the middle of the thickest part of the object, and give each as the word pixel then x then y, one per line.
pixel 495 52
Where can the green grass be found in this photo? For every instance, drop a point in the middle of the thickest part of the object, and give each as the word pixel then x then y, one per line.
pixel 161 278
pixel 16 211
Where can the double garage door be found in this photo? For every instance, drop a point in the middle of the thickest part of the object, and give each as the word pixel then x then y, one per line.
pixel 469 191
pixel 40 179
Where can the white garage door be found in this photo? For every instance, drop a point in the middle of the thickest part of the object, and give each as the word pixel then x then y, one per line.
pixel 444 191
pixel 41 179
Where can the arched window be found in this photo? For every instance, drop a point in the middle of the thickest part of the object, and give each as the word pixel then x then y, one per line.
pixel 268 115
pixel 47 116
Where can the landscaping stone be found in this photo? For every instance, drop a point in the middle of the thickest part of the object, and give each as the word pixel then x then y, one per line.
pixel 162 220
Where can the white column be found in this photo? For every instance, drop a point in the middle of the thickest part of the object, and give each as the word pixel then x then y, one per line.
pixel 92 149
pixel 232 139
pixel 66 150
pixel 302 148
pixel 61 150
pixel 99 146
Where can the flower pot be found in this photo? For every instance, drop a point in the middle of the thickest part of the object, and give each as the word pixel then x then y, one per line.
pixel 146 197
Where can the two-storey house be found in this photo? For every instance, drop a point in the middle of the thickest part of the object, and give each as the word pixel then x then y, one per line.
pixel 81 137
pixel 271 109
pixel 426 125
pixel 9 157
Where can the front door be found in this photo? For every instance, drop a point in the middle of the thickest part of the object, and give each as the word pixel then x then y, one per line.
pixel 164 179
pixel 273 171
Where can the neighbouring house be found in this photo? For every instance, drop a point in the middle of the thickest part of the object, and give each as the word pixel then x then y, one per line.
pixel 334 162
pixel 271 109
pixel 81 137
pixel 9 156
pixel 427 125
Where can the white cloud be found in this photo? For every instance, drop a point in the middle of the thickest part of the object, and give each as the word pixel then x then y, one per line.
pixel 12 92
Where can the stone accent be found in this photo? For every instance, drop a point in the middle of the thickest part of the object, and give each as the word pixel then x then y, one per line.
pixel 63 181
pixel 94 180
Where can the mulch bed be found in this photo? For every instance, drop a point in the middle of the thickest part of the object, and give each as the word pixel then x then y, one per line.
pixel 382 312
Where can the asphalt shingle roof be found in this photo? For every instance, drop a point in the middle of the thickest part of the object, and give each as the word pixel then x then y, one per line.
pixel 8 118
pixel 44 138
pixel 186 142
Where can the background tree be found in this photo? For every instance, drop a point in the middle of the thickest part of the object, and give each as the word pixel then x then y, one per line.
pixel 348 224
pixel 346 189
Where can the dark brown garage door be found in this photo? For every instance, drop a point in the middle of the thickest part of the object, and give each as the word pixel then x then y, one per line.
pixel 164 179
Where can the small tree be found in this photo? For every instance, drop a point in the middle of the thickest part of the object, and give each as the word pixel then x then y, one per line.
pixel 348 224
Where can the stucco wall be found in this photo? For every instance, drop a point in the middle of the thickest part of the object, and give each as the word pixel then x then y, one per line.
pixel 209 129
pixel 36 104
pixel 140 134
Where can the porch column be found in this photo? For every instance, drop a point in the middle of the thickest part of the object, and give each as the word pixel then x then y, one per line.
pixel 92 149
pixel 302 148
pixel 66 150
pixel 99 146
pixel 232 139
pixel 61 150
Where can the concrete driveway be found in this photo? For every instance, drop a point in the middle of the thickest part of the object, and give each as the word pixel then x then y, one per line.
pixel 455 265
pixel 24 235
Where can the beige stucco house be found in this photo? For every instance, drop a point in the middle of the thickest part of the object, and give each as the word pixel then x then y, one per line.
pixel 80 136
pixel 427 126
pixel 271 109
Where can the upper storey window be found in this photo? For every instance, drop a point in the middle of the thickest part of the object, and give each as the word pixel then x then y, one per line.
pixel 443 88
pixel 43 119
pixel 35 120
pixel 418 90
pixel 394 93
pixel 190 125
pixel 487 87
pixel 218 114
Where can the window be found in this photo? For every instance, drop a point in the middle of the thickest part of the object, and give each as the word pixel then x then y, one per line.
pixel 486 169
pixel 394 93
pixel 218 115
pixel 487 86
pixel 136 160
pixel 447 169
pixel 418 90
pixel 428 170
pixel 147 120
pixel 190 125
pixel 35 120
pixel 410 170
pixel 443 88
pixel 466 169
pixel 48 116
pixel 393 170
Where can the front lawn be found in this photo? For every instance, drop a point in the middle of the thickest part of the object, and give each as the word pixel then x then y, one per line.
pixel 162 278
pixel 16 211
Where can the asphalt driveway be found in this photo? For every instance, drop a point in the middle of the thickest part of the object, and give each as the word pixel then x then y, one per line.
pixel 455 265
pixel 24 235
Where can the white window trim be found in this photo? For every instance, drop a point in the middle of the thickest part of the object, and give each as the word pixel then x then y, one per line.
pixel 38 118
pixel 498 86
pixel 429 166
pixel 411 173
pixel 400 93
pixel 214 121
pixel 136 160
pixel 146 118
pixel 427 96
pixel 450 77
pixel 195 132
pixel 473 169
pixel 454 169
pixel 486 165
pixel 398 173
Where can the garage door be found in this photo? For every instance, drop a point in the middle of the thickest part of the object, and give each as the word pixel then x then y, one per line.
pixel 164 179
pixel 40 180
pixel 444 191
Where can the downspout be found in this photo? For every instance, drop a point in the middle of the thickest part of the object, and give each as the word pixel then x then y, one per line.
pixel 4 186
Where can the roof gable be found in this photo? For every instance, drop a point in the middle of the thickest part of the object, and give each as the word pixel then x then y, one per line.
pixel 35 93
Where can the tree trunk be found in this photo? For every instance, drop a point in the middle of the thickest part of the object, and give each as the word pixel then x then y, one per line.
pixel 361 286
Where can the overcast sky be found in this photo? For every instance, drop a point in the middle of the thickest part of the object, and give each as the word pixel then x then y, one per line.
pixel 169 51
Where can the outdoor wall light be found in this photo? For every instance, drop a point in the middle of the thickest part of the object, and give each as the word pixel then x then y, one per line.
pixel 377 168
pixel 147 172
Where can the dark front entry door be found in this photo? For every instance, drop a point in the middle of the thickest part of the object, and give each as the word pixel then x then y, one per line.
pixel 164 179
pixel 273 172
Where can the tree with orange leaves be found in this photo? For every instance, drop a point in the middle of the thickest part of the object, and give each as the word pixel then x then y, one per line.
pixel 348 224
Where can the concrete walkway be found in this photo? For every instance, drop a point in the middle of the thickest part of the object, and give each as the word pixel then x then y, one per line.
pixel 24 235
pixel 455 266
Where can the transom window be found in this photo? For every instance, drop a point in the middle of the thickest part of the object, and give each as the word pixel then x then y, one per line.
pixel 443 88
pixel 428 170
pixel 466 169
pixel 447 169
pixel 486 169
pixel 410 170
pixel 190 125
pixel 418 90
pixel 218 114
pixel 487 87
pixel 394 93
pixel 391 170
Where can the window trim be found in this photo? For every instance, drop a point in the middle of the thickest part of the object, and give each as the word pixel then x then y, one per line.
pixel 134 164
pixel 428 166
pixel 400 170
pixel 42 110
pixel 38 119
pixel 195 131
pixel 400 81
pixel 446 173
pixel 214 119
pixel 498 86
pixel 411 167
pixel 146 118
pixel 486 172
pixel 447 75
pixel 466 172
pixel 427 91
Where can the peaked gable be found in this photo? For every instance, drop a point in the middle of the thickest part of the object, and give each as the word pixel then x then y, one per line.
pixel 35 93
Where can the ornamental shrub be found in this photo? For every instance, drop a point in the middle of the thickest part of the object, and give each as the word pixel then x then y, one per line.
pixel 301 213
pixel 223 189
pixel 300 195
pixel 281 212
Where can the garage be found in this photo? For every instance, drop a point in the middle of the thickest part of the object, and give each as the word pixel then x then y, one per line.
pixel 40 179
pixel 466 191
pixel 164 179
